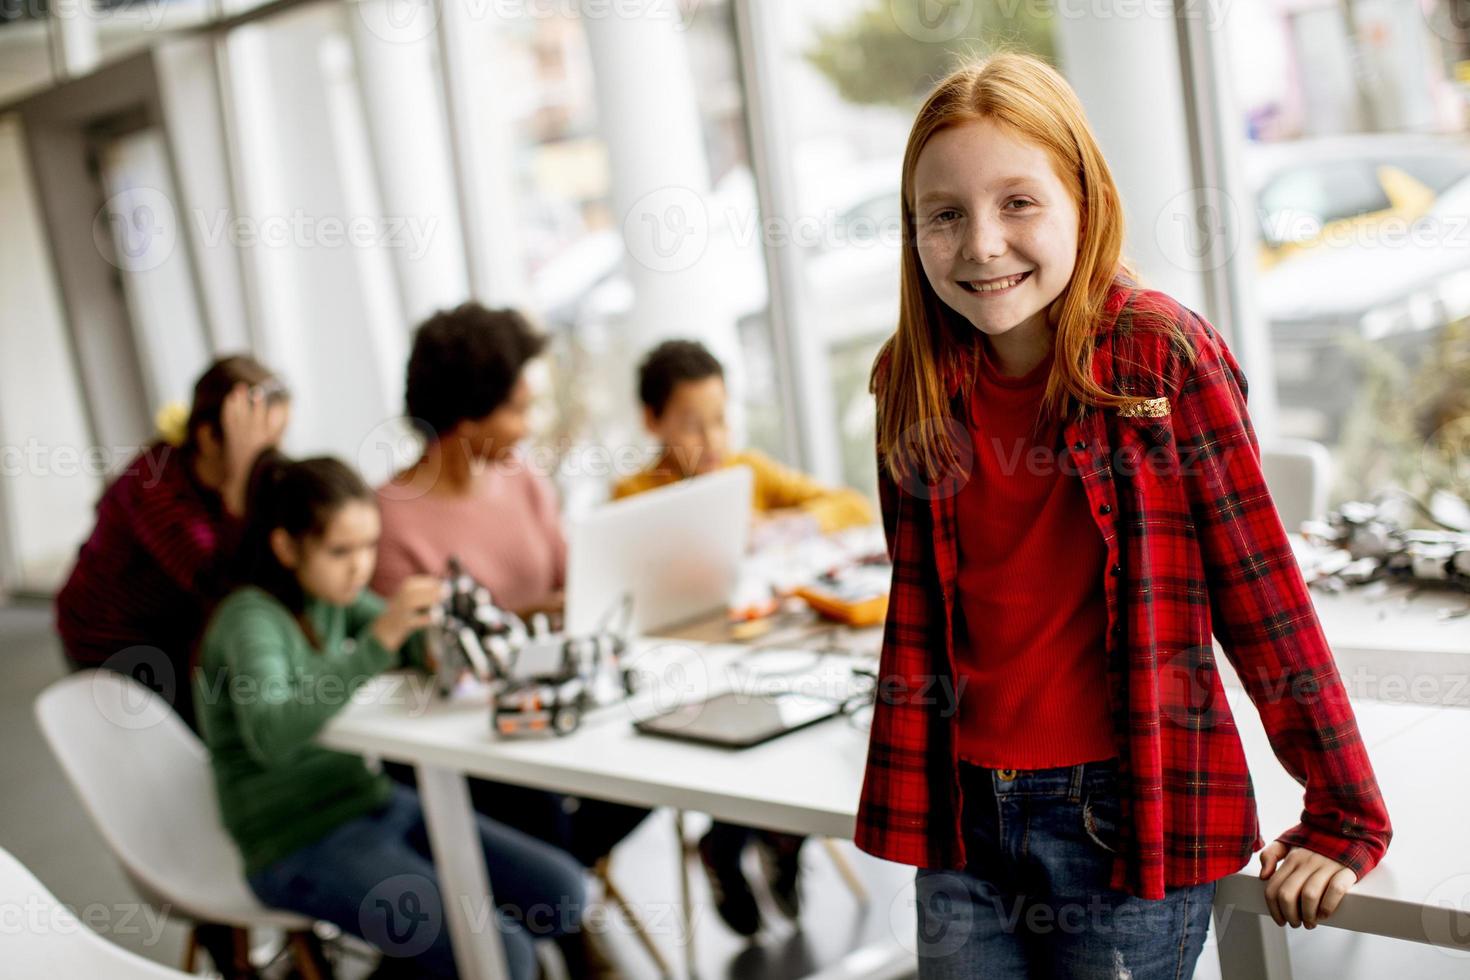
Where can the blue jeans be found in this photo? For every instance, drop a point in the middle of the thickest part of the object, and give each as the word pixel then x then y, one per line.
pixel 1034 898
pixel 374 877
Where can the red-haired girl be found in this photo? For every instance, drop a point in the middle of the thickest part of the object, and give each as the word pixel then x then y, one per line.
pixel 1074 503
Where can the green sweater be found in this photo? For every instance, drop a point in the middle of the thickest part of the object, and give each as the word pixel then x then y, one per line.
pixel 262 693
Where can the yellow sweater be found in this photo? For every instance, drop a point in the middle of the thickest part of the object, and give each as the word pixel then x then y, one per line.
pixel 776 487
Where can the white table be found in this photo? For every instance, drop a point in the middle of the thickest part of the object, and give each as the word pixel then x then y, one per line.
pixel 1421 890
pixel 808 782
pixel 1395 643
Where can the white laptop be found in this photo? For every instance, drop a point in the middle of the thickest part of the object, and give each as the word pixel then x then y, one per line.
pixel 674 551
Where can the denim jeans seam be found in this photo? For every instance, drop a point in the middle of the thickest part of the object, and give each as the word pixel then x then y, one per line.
pixel 1183 934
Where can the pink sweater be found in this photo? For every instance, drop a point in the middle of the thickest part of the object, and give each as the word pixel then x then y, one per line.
pixel 506 535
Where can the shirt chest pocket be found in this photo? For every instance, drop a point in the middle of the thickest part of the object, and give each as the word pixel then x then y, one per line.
pixel 1147 455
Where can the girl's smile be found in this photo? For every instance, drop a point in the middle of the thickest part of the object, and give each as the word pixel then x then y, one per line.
pixel 993 287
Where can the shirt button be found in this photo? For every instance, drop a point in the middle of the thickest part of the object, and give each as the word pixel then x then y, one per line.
pixel 1117 569
pixel 1105 509
pixel 1079 446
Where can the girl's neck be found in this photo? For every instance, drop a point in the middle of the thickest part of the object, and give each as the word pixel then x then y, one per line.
pixel 1019 350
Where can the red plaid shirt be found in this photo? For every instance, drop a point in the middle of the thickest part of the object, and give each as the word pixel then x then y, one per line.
pixel 1195 547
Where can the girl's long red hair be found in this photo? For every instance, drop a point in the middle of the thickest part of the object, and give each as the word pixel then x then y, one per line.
pixel 1033 100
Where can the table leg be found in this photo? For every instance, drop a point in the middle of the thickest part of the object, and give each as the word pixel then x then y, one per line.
pixel 686 903
pixel 1252 947
pixel 464 884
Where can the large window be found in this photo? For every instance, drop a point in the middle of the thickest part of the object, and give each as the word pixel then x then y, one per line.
pixel 1357 162
pixel 852 74
pixel 576 123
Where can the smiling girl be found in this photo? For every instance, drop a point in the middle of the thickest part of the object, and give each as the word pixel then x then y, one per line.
pixel 1073 498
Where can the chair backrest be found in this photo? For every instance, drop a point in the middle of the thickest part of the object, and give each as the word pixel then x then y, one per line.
pixel 146 782
pixel 1299 475
pixel 45 939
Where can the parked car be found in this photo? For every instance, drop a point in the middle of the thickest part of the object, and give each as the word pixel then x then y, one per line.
pixel 1365 240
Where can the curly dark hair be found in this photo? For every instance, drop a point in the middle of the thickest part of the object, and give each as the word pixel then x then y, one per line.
pixel 670 364
pixel 464 363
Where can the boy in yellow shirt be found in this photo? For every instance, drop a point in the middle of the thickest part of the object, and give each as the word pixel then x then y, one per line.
pixel 682 387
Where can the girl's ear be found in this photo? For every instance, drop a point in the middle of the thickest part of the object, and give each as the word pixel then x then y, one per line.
pixel 650 420
pixel 285 548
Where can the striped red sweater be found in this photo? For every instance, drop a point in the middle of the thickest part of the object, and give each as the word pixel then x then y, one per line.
pixel 145 575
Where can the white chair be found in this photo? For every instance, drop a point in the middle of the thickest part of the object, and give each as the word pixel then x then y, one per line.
pixel 47 940
pixel 146 783
pixel 1299 474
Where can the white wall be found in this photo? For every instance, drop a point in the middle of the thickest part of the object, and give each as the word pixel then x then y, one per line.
pixel 323 302
pixel 46 491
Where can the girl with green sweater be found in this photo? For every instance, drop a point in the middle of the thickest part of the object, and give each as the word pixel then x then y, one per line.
pixel 320 832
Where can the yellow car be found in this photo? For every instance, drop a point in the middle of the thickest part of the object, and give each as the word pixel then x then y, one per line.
pixel 1342 191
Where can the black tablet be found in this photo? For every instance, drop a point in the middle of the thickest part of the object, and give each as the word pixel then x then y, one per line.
pixel 736 720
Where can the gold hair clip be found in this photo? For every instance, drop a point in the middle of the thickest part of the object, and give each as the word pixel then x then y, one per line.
pixel 1148 408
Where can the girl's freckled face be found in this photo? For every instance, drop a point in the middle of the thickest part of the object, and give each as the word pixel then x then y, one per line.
pixel 996 228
